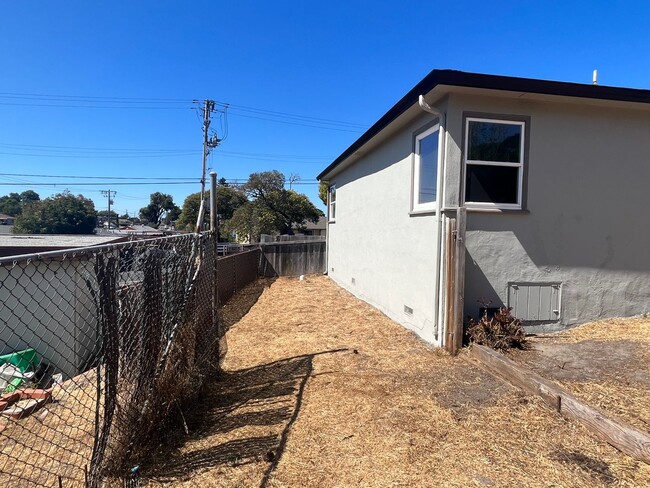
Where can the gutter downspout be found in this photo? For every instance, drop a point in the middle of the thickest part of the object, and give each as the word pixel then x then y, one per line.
pixel 442 120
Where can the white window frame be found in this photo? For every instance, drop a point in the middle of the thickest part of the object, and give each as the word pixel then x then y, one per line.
pixel 331 203
pixel 520 165
pixel 416 206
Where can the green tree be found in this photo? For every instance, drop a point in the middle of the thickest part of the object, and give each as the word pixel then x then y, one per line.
pixel 14 203
pixel 272 208
pixel 189 212
pixel 229 199
pixel 64 213
pixel 250 221
pixel 161 207
pixel 29 196
pixel 323 190
pixel 11 204
pixel 105 213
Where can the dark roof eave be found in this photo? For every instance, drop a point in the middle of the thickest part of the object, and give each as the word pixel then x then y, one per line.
pixel 489 82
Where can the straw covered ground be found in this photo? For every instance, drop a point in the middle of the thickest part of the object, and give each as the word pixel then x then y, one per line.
pixel 54 442
pixel 322 390
pixel 604 363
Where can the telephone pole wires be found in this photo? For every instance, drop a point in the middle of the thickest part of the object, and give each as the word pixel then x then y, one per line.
pixel 208 144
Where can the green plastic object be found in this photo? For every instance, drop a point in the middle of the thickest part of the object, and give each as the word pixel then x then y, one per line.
pixel 25 360
pixel 13 385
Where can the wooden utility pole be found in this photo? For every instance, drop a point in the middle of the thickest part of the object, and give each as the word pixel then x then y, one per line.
pixel 208 144
pixel 110 194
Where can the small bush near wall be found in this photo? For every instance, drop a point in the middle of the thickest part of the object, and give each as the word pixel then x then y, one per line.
pixel 500 331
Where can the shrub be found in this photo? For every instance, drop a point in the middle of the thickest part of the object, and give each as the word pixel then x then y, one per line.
pixel 501 332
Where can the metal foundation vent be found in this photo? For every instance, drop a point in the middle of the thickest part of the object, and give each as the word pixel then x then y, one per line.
pixel 535 302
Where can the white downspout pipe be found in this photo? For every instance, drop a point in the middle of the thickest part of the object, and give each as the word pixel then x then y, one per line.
pixel 439 312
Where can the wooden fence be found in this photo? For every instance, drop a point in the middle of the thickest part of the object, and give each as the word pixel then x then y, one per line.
pixel 292 258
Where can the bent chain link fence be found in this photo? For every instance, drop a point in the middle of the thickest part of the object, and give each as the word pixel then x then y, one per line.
pixel 99 347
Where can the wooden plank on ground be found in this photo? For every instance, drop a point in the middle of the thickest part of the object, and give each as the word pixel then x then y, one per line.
pixel 622 436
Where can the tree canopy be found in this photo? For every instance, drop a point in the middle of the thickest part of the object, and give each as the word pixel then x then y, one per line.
pixel 64 213
pixel 161 209
pixel 229 199
pixel 271 209
pixel 323 190
pixel 14 203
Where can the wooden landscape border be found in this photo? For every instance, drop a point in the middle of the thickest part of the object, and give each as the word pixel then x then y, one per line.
pixel 624 437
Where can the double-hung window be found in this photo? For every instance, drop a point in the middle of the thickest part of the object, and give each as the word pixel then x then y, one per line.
pixel 332 195
pixel 425 169
pixel 494 163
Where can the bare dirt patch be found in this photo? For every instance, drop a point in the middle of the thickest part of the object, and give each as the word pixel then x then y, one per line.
pixel 605 363
pixel 322 390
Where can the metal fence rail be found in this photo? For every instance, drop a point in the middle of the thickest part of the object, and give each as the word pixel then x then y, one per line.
pixel 98 347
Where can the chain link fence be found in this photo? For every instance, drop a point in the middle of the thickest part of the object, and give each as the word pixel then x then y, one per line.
pixel 100 347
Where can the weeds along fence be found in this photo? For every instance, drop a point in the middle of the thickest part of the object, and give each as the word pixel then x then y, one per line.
pixel 101 348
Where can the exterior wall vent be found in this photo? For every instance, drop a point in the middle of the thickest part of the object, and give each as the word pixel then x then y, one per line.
pixel 354 281
pixel 408 310
pixel 535 302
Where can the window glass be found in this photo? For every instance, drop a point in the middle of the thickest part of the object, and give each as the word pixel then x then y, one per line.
pixel 332 202
pixel 428 152
pixel 495 184
pixel 492 141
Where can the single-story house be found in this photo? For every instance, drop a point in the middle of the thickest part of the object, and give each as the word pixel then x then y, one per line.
pixel 6 219
pixel 549 175
pixel 313 229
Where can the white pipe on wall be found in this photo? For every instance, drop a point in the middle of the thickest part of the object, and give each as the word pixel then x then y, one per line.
pixel 439 313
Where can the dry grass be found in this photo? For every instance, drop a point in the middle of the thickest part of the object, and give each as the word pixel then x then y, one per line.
pixel 635 329
pixel 609 367
pixel 322 390
pixel 55 441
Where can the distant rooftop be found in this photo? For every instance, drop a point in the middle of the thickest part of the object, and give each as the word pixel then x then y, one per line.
pixel 17 244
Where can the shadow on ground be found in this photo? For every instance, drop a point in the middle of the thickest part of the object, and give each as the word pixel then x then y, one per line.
pixel 239 305
pixel 224 426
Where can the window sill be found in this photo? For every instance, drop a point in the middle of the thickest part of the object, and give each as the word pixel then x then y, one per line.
pixel 497 210
pixel 331 221
pixel 417 213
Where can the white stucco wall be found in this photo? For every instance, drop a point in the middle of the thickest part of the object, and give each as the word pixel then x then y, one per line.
pixel 585 225
pixel 389 253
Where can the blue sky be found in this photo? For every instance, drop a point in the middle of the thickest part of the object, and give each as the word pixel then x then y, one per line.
pixel 74 77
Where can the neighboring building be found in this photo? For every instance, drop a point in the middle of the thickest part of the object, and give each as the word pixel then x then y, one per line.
pixel 45 305
pixel 552 176
pixel 140 230
pixel 313 229
pixel 19 244
pixel 6 219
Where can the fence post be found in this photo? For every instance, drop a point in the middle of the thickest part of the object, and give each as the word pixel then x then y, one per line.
pixel 215 278
pixel 459 281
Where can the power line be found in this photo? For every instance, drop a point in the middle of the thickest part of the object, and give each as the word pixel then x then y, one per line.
pixel 307 118
pixel 90 183
pixel 339 129
pixel 37 96
pixel 95 102
pixel 193 179
pixel 85 149
pixel 104 156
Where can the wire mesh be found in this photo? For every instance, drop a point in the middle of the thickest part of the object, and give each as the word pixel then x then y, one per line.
pixel 98 347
